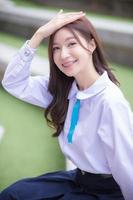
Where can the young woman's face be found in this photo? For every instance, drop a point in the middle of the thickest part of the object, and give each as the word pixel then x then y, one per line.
pixel 69 56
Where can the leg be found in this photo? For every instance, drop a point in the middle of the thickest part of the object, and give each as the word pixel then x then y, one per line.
pixel 48 186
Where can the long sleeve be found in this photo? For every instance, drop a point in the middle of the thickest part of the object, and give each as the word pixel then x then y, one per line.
pixel 116 133
pixel 18 82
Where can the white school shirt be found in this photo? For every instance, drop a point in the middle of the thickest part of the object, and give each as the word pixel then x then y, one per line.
pixel 103 138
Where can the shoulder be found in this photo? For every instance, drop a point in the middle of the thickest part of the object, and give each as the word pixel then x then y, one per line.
pixel 114 100
pixel 113 95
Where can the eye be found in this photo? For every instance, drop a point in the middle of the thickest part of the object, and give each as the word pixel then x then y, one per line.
pixel 55 49
pixel 72 44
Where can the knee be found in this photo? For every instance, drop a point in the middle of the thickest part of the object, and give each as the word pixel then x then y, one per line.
pixel 10 193
pixel 6 194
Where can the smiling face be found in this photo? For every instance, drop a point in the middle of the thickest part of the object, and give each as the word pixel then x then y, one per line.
pixel 68 54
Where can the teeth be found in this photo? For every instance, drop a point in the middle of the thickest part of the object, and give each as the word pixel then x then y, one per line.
pixel 69 63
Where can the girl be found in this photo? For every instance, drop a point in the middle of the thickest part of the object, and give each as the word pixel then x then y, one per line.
pixel 92 119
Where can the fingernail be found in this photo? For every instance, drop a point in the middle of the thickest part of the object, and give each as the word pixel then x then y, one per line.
pixel 82 13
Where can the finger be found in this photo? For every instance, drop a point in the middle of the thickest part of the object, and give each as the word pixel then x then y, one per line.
pixel 70 19
pixel 61 11
pixel 74 16
pixel 70 13
pixel 74 13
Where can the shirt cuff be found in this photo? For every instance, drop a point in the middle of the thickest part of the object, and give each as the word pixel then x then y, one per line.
pixel 26 52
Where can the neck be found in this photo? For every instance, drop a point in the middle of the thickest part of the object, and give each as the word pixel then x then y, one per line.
pixel 86 79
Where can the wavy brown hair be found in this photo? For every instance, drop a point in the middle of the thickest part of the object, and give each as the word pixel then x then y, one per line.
pixel 60 84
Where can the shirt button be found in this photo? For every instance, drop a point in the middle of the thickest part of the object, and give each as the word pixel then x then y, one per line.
pixel 27 53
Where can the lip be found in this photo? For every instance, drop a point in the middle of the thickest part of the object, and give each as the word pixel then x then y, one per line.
pixel 68 63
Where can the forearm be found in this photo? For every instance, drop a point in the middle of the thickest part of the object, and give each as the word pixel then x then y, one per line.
pixel 35 40
pixel 39 35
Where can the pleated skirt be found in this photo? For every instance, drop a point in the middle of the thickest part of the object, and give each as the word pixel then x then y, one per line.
pixel 64 185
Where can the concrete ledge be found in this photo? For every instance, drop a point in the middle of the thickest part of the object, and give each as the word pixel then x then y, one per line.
pixel 111 7
pixel 116 36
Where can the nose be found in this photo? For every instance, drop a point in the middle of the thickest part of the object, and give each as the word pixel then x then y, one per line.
pixel 64 53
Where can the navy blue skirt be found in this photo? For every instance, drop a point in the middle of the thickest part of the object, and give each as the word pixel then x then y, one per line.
pixel 64 185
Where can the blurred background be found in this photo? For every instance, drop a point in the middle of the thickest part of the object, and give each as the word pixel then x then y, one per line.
pixel 26 146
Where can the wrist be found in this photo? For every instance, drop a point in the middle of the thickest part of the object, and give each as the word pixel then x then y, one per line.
pixel 39 35
pixel 36 40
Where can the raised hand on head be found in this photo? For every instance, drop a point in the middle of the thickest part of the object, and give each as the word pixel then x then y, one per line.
pixel 58 21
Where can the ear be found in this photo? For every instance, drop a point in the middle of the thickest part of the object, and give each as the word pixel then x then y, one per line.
pixel 92 45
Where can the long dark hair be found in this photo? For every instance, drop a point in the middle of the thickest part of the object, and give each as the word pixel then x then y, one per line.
pixel 60 84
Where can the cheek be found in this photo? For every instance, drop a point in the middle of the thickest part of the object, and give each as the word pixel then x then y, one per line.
pixel 84 55
pixel 56 59
pixel 80 53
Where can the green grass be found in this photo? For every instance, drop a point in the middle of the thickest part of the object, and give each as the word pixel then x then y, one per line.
pixel 17 42
pixel 89 13
pixel 27 148
pixel 125 77
pixel 26 3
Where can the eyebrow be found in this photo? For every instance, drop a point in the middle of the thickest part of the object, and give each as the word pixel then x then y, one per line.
pixel 68 38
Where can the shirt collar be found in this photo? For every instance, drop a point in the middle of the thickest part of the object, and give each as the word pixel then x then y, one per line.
pixel 99 85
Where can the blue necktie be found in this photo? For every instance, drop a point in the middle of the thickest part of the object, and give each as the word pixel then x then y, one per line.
pixel 74 120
